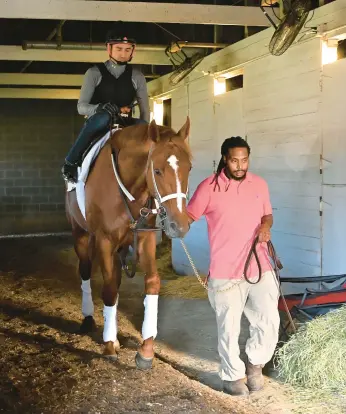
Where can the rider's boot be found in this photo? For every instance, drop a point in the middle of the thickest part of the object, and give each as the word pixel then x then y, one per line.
pixel 94 127
pixel 70 172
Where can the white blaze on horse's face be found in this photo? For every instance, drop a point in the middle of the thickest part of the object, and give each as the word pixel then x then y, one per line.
pixel 173 162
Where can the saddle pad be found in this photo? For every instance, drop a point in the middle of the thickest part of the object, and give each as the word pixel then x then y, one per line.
pixel 83 171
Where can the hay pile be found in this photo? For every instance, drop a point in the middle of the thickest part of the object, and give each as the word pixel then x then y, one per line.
pixel 186 287
pixel 314 361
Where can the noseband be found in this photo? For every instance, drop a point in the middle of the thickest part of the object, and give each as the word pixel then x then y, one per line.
pixel 158 199
pixel 145 211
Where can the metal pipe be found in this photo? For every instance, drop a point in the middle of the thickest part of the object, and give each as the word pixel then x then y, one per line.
pixel 246 28
pixel 151 76
pixel 204 45
pixel 101 46
pixel 216 29
pixel 51 35
pixel 268 17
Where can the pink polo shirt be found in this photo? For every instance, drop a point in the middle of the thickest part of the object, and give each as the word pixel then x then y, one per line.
pixel 233 215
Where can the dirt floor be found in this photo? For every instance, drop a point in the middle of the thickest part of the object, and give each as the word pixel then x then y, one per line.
pixel 46 366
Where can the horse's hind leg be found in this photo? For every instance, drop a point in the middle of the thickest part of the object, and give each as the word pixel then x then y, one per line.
pixel 111 271
pixel 83 247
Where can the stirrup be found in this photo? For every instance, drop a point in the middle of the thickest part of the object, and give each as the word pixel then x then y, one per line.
pixel 70 173
pixel 116 126
pixel 69 179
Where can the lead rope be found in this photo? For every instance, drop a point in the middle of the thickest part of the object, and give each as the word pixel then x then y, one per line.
pixel 204 283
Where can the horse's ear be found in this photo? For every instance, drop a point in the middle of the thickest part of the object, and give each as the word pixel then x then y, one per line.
pixel 185 130
pixel 153 131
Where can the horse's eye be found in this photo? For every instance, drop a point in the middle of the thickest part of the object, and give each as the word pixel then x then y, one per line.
pixel 157 171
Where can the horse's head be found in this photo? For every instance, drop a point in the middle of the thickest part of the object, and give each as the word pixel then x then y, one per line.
pixel 168 174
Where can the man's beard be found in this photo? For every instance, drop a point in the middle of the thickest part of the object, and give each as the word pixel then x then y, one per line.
pixel 235 177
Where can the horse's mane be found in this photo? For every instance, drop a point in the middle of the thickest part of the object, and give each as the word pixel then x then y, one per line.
pixel 139 136
pixel 166 134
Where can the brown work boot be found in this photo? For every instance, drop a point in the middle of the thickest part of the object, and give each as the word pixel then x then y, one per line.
pixel 235 388
pixel 255 380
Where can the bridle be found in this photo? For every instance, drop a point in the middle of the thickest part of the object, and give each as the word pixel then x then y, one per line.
pixel 140 224
pixel 159 200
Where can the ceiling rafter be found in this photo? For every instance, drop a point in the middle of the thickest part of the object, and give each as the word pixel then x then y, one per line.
pixel 92 10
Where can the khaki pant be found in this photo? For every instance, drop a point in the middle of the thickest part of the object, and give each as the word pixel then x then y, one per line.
pixel 260 306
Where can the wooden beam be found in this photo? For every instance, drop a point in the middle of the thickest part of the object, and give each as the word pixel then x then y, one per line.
pixel 329 19
pixel 132 12
pixel 91 56
pixel 42 79
pixel 47 79
pixel 32 93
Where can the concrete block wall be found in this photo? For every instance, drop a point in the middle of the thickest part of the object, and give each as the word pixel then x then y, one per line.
pixel 34 138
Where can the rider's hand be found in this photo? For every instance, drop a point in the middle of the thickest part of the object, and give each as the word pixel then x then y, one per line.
pixel 125 110
pixel 112 109
pixel 264 233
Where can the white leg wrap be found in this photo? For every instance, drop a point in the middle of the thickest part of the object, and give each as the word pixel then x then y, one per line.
pixel 149 328
pixel 110 329
pixel 87 301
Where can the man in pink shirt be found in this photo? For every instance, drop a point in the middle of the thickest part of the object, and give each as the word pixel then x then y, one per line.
pixel 237 208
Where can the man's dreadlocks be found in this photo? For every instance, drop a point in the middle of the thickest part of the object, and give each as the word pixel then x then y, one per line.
pixel 229 143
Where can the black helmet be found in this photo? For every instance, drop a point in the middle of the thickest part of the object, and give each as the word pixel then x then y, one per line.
pixel 115 37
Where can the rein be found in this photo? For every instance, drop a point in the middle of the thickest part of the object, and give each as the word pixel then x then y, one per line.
pixel 135 225
pixel 140 224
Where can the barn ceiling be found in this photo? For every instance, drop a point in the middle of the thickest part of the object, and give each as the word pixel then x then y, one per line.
pixel 151 23
pixel 14 31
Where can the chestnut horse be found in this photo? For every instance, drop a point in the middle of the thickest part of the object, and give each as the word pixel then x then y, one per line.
pixel 151 163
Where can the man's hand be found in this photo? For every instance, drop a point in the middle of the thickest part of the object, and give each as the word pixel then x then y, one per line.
pixel 264 233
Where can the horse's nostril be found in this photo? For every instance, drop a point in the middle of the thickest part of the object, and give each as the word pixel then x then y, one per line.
pixel 173 227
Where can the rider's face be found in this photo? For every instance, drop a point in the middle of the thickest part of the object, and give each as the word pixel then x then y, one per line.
pixel 120 51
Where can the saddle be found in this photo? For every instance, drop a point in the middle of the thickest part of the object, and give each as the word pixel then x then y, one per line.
pixel 97 137
pixel 122 122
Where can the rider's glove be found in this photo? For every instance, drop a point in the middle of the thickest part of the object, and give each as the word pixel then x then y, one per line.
pixel 111 108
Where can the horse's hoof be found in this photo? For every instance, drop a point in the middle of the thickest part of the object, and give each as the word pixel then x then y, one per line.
pixel 117 346
pixel 113 357
pixel 111 350
pixel 143 363
pixel 88 325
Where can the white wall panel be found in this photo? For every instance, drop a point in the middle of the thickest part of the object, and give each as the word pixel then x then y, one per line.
pixel 285 107
pixel 282 115
pixel 334 171
pixel 180 107
pixel 334 122
pixel 229 117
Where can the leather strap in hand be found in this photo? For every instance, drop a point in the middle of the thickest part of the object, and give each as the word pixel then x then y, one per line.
pixel 112 109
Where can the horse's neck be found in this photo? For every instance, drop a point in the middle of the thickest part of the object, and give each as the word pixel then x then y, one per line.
pixel 132 169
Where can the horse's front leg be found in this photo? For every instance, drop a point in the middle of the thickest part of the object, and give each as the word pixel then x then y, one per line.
pixel 111 271
pixel 147 253
pixel 83 248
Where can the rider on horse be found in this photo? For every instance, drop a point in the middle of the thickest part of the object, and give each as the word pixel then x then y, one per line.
pixel 107 97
